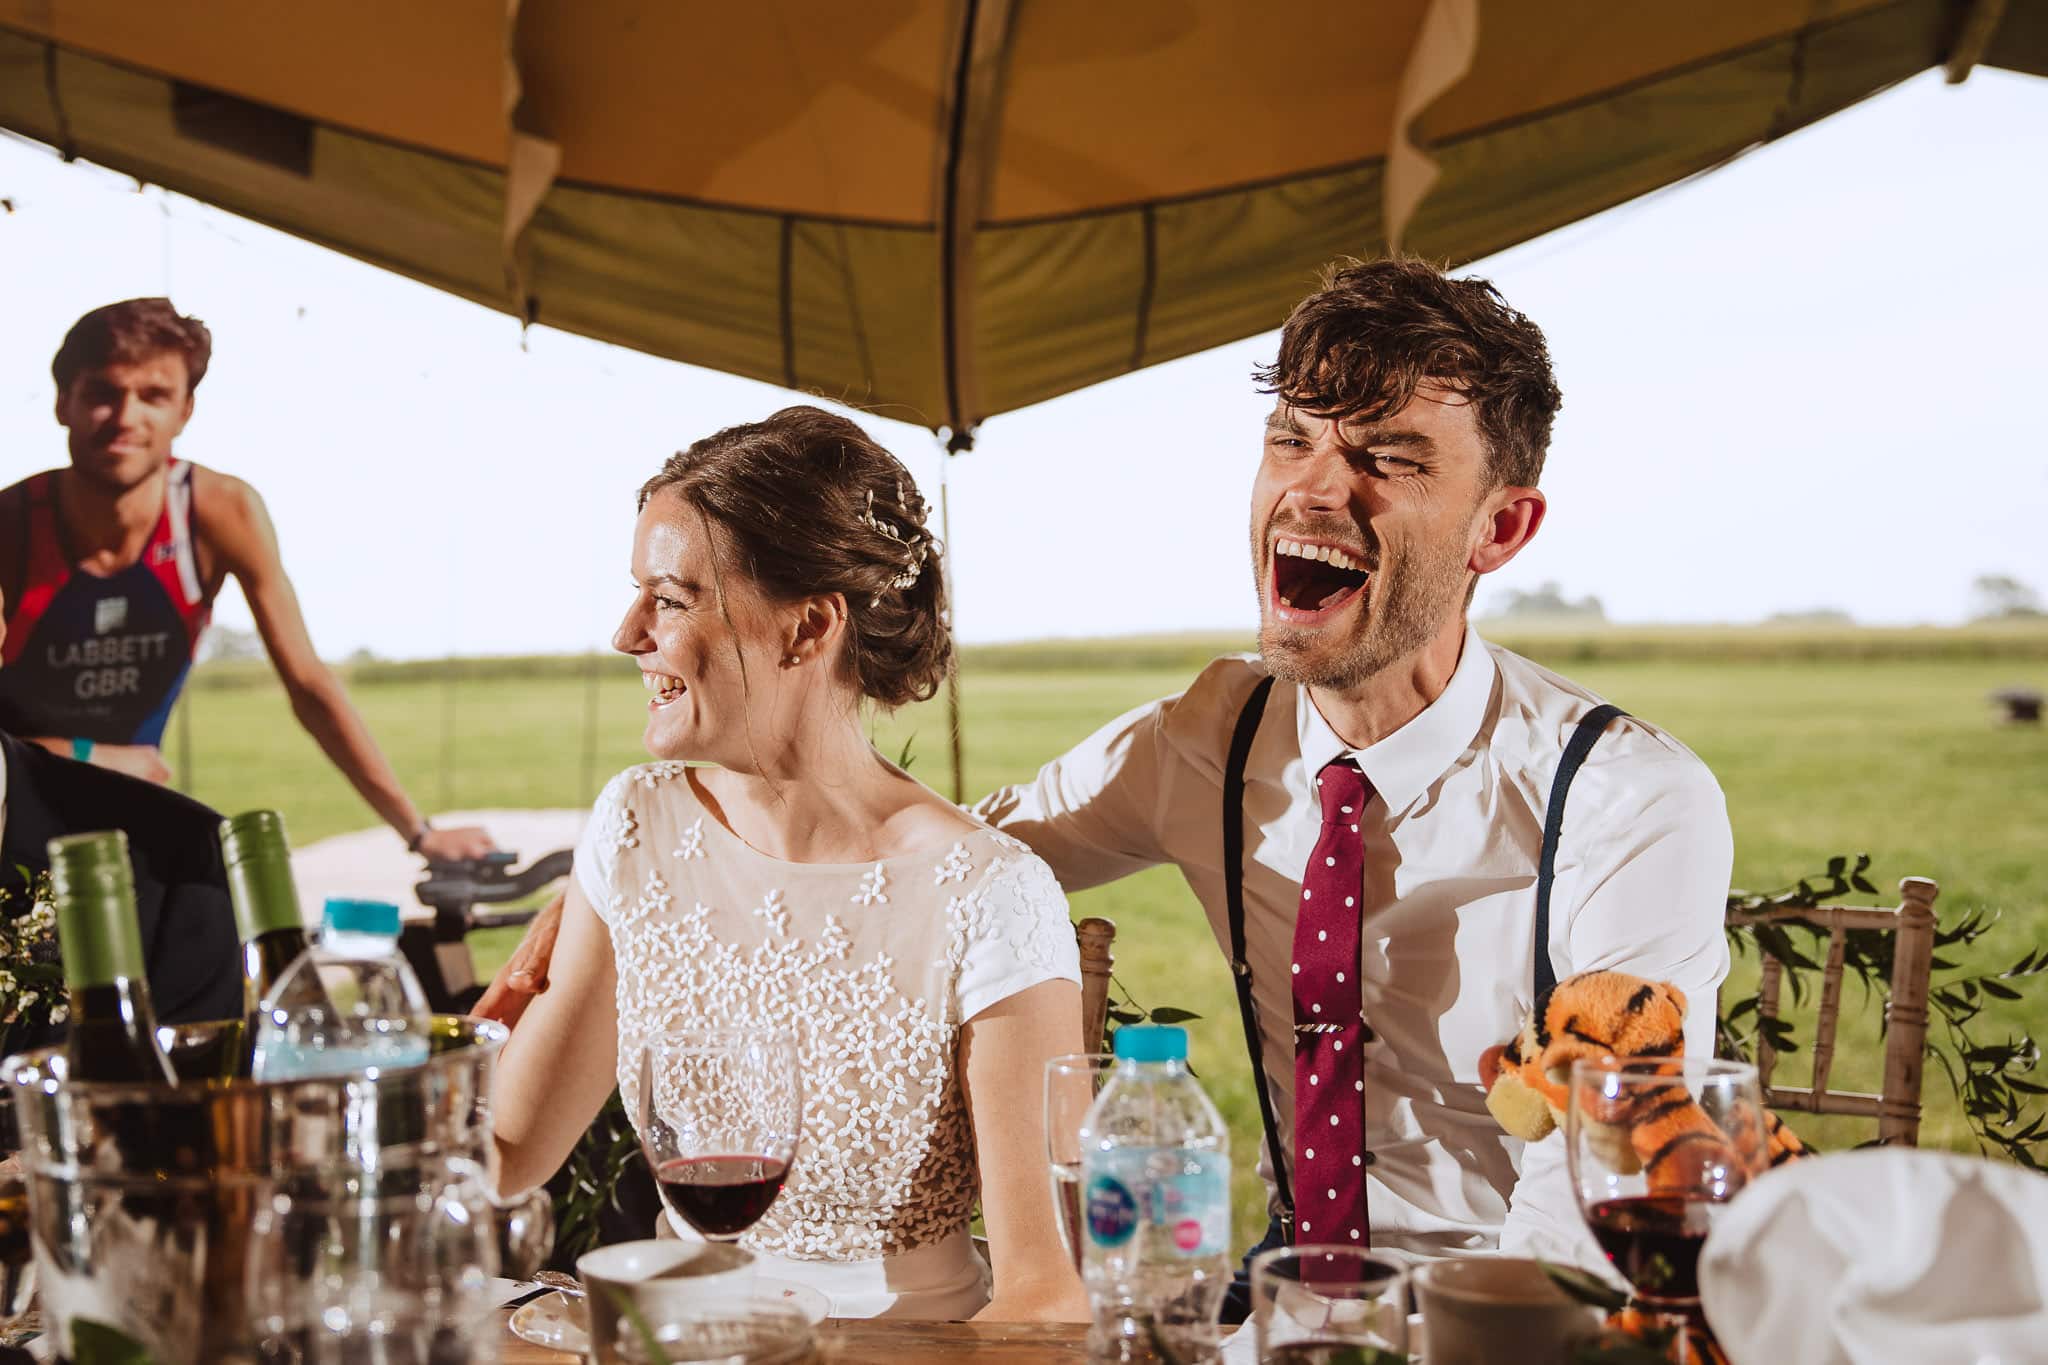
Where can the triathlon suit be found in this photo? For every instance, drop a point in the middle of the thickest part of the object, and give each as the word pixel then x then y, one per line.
pixel 100 658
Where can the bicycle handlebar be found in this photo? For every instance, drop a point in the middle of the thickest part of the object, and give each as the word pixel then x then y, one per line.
pixel 453 888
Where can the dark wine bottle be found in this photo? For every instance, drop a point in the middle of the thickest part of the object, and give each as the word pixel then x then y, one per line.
pixel 267 918
pixel 113 1024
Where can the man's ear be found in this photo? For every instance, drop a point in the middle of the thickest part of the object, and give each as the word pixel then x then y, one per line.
pixel 1508 519
pixel 819 623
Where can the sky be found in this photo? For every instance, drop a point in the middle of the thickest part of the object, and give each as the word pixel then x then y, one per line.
pixel 1811 379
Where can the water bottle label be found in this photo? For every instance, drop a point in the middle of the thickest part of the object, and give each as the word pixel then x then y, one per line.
pixel 1189 1210
pixel 1112 1211
pixel 1193 1210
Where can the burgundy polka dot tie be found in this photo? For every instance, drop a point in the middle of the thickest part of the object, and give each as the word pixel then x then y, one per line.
pixel 1329 1065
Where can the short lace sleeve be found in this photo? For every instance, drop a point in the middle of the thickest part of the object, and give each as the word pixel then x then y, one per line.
pixel 1017 932
pixel 609 830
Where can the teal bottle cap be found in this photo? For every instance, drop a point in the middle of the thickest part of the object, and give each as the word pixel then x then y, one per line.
pixel 1151 1043
pixel 363 917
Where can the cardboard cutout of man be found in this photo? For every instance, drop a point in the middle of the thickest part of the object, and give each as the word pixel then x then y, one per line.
pixel 109 569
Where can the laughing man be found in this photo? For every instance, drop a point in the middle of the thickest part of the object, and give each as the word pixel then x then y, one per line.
pixel 1391 781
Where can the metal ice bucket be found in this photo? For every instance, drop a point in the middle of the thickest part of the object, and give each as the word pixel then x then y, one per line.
pixel 145 1201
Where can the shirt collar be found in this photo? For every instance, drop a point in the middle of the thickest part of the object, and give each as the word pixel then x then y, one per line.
pixel 1404 765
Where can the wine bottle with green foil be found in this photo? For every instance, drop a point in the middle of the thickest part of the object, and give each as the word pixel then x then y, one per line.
pixel 113 1023
pixel 267 918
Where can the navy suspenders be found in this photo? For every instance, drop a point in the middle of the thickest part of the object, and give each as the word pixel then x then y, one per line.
pixel 1575 750
pixel 1240 968
pixel 1583 737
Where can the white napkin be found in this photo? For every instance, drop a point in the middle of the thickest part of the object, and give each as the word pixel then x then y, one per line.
pixel 503 1291
pixel 1881 1256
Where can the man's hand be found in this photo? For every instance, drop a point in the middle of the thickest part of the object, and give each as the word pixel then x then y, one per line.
pixel 456 844
pixel 136 760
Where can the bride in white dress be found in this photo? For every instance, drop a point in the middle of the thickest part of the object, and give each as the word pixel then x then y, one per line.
pixel 784 582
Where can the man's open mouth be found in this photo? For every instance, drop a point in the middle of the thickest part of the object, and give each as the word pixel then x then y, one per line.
pixel 1310 580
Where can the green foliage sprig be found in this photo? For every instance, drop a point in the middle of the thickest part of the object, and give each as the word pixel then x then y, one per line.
pixel 1124 1009
pixel 593 1170
pixel 31 968
pixel 1646 1341
pixel 1993 1079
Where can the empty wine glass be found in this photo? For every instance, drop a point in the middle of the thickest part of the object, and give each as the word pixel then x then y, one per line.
pixel 721 1110
pixel 1071 1084
pixel 1657 1147
pixel 526 1232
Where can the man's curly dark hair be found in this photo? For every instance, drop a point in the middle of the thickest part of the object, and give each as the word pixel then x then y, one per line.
pixel 1358 348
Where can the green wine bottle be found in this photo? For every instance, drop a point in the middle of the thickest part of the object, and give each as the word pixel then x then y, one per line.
pixel 113 1024
pixel 267 919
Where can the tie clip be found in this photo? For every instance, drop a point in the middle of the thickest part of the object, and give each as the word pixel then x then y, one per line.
pixel 1318 1028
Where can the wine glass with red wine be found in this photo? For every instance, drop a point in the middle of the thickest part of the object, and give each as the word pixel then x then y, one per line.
pixel 721 1110
pixel 1657 1147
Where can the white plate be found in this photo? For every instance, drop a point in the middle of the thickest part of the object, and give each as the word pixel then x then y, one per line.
pixel 813 1305
pixel 559 1322
pixel 553 1320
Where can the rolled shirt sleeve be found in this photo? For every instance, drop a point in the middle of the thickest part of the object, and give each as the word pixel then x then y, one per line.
pixel 1091 812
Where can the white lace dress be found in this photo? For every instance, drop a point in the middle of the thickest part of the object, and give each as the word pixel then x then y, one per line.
pixel 877 965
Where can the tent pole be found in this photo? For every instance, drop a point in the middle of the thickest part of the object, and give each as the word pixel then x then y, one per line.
pixel 588 779
pixel 1973 41
pixel 953 741
pixel 447 764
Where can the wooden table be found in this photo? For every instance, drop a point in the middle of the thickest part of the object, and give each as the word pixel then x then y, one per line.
pixel 857 1342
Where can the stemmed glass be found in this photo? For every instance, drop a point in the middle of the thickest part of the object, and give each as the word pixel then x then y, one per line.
pixel 392 1265
pixel 1320 1305
pixel 1071 1084
pixel 17 1251
pixel 721 1110
pixel 1657 1147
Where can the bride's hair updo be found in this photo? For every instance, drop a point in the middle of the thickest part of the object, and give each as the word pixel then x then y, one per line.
pixel 806 502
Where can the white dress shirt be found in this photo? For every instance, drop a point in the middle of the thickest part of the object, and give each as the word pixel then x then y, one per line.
pixel 1452 839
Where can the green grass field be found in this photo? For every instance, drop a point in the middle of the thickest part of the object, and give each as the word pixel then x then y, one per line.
pixel 1869 741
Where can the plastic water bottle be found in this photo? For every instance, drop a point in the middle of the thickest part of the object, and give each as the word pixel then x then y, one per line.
pixel 348 1003
pixel 1155 1172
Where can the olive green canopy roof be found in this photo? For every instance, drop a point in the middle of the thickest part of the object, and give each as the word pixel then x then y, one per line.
pixel 942 209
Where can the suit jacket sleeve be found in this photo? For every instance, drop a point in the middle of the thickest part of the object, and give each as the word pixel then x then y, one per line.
pixel 188 922
pixel 189 944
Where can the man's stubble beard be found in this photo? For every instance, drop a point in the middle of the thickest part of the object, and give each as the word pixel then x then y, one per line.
pixel 110 484
pixel 1406 606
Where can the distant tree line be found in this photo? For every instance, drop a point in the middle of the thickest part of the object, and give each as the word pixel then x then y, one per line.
pixel 2001 597
pixel 1548 602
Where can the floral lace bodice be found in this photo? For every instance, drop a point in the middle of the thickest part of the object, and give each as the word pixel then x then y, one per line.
pixel 877 966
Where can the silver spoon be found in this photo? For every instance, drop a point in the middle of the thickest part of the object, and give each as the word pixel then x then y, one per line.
pixel 567 1284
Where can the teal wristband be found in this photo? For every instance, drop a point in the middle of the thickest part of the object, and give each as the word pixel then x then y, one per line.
pixel 81 749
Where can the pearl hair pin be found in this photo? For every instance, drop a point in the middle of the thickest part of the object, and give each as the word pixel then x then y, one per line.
pixel 914 553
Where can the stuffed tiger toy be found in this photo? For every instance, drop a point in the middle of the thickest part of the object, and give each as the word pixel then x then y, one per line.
pixel 1670 1138
pixel 1612 1014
